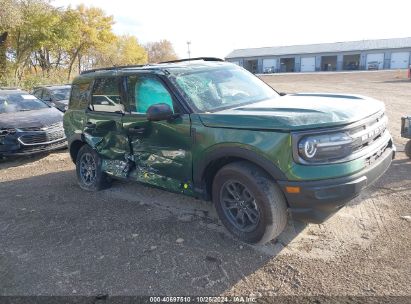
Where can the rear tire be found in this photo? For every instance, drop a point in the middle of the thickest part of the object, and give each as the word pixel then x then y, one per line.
pixel 89 173
pixel 249 203
pixel 407 149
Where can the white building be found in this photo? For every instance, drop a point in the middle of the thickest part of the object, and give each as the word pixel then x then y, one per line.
pixel 351 55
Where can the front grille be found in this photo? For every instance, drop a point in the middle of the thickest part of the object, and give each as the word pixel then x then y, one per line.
pixel 41 148
pixel 55 135
pixel 47 135
pixel 367 133
pixel 34 139
pixel 372 158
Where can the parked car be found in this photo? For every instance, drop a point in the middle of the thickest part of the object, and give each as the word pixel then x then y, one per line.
pixel 269 70
pixel 373 65
pixel 55 95
pixel 210 129
pixel 28 125
pixel 351 66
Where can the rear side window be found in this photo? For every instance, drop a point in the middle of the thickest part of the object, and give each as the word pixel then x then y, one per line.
pixel 106 96
pixel 79 96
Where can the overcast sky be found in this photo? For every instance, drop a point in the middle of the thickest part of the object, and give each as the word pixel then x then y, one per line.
pixel 215 28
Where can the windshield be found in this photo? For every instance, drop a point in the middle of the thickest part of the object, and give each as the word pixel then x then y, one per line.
pixel 16 102
pixel 222 88
pixel 61 94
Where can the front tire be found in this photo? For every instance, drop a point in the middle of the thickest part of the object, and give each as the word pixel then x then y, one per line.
pixel 407 149
pixel 249 203
pixel 89 172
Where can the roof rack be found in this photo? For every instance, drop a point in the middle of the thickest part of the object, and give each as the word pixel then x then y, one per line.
pixel 112 68
pixel 51 85
pixel 192 59
pixel 142 65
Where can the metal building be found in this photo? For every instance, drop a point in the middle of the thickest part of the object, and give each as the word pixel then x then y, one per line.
pixel 340 56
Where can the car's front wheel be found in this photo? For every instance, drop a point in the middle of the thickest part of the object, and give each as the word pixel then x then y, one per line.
pixel 249 203
pixel 89 172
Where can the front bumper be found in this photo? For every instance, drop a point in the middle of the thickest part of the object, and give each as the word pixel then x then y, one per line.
pixel 34 149
pixel 27 143
pixel 318 200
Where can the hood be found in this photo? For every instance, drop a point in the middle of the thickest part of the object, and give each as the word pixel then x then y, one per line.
pixel 296 112
pixel 27 119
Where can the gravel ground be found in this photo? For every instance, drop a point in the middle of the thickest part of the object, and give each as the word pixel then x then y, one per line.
pixel 133 240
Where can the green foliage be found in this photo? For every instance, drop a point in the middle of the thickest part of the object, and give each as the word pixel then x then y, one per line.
pixel 10 15
pixel 46 44
pixel 125 50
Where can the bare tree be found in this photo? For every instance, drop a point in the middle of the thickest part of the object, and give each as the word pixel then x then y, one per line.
pixel 160 51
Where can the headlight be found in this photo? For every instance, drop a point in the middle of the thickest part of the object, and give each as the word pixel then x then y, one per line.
pixel 319 148
pixel 4 132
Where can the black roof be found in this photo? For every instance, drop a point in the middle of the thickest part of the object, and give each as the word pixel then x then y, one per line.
pixel 159 65
pixel 53 86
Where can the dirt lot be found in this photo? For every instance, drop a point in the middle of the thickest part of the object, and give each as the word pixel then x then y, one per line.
pixel 59 240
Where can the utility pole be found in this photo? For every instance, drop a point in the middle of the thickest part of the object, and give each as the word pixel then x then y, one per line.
pixel 188 49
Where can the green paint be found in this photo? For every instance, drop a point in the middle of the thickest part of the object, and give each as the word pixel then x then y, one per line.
pixel 169 154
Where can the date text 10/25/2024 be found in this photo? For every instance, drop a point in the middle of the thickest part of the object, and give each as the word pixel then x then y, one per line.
pixel 203 299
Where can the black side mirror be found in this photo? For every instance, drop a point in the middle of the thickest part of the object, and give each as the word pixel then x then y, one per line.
pixel 159 111
pixel 282 94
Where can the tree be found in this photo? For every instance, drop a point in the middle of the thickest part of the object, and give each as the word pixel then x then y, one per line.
pixel 124 51
pixel 42 43
pixel 94 31
pixel 10 18
pixel 36 31
pixel 160 51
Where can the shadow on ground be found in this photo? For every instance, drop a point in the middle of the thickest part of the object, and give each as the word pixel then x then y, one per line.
pixel 59 240
pixel 128 240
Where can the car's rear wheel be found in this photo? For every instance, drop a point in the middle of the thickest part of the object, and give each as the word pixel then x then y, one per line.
pixel 89 172
pixel 407 149
pixel 249 203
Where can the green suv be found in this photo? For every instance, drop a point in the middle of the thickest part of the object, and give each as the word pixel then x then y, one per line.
pixel 210 129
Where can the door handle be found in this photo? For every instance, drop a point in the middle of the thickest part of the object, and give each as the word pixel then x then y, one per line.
pixel 136 130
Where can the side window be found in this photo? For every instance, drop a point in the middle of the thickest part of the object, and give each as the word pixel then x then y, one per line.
pixel 106 95
pixel 38 93
pixel 80 92
pixel 46 96
pixel 145 91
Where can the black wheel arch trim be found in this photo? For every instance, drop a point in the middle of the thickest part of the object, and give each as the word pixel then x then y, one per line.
pixel 233 152
pixel 77 137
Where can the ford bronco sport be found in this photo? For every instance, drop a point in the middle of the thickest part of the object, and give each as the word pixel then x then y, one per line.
pixel 212 130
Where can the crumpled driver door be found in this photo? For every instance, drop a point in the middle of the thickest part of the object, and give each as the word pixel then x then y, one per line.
pixel 103 129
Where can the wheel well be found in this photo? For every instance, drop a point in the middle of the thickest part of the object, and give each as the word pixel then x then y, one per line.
pixel 214 166
pixel 74 148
